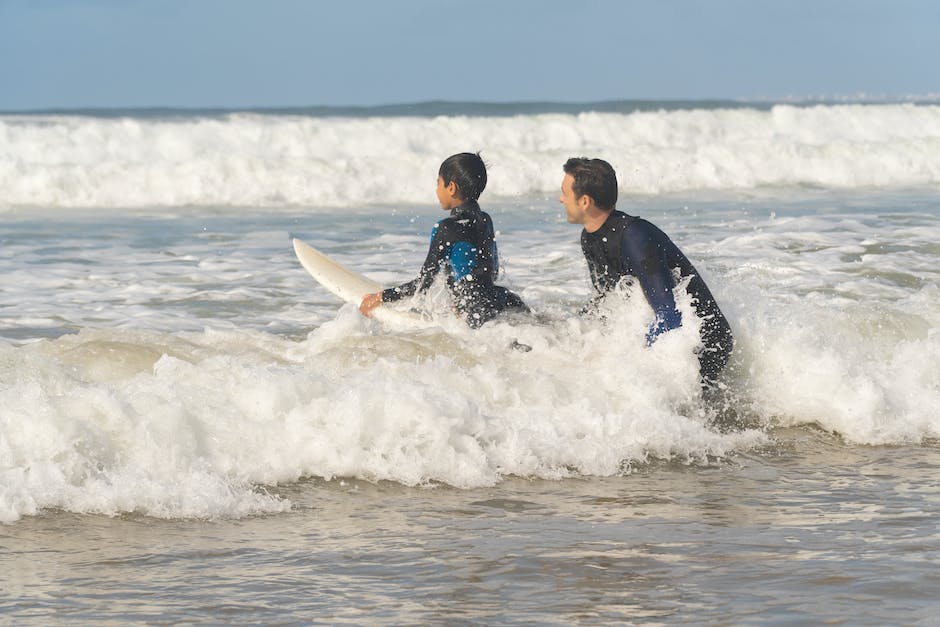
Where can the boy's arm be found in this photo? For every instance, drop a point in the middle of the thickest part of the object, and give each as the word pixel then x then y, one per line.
pixel 370 302
pixel 437 255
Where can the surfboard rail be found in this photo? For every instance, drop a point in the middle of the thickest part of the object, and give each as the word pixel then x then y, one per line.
pixel 351 286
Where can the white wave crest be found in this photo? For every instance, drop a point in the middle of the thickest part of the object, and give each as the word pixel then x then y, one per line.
pixel 196 425
pixel 255 160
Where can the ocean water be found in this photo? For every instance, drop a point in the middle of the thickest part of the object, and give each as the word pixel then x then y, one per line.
pixel 193 431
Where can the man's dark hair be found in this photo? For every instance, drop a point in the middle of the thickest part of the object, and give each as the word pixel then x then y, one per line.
pixel 468 171
pixel 594 177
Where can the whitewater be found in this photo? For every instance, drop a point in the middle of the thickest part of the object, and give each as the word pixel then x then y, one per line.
pixel 291 160
pixel 190 425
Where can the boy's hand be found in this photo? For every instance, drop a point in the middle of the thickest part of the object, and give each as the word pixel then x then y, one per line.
pixel 370 302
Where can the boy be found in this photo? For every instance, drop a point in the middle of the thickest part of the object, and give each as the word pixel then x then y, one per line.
pixel 464 244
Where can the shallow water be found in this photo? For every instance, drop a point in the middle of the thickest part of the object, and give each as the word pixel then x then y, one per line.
pixel 804 530
pixel 191 431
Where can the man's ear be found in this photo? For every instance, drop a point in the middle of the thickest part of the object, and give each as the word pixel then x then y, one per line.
pixel 584 201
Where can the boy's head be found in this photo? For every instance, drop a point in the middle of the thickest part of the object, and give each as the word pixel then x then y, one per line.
pixel 467 171
pixel 595 178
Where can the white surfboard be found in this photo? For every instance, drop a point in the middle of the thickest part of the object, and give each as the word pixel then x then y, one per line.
pixel 351 286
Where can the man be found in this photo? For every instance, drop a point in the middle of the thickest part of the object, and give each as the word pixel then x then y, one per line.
pixel 617 245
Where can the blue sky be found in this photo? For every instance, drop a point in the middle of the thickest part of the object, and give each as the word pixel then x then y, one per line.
pixel 237 53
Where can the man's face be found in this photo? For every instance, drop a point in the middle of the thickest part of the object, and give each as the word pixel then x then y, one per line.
pixel 574 209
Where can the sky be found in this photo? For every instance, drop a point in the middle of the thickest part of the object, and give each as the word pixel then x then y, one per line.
pixel 57 54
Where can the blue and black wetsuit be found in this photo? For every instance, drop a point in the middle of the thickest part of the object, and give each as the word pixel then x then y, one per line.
pixel 627 246
pixel 464 244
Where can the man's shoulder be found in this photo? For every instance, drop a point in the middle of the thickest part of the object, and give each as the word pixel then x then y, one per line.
pixel 620 216
pixel 638 224
pixel 619 221
pixel 644 231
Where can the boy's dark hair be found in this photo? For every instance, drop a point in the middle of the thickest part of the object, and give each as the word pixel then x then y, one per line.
pixel 594 177
pixel 468 171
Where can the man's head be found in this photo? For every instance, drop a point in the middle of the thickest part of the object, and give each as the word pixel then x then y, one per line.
pixel 467 171
pixel 588 191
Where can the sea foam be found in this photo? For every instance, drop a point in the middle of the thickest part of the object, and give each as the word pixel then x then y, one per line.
pixel 258 160
pixel 208 424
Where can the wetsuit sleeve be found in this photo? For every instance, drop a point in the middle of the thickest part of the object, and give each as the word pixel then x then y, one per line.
pixel 651 268
pixel 437 255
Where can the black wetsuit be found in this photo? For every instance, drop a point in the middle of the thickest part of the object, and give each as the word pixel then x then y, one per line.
pixel 626 246
pixel 465 245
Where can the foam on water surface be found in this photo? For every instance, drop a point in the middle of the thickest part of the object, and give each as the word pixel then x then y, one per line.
pixel 189 424
pixel 178 362
pixel 255 160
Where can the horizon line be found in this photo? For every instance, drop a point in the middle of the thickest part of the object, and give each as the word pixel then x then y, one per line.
pixel 509 106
